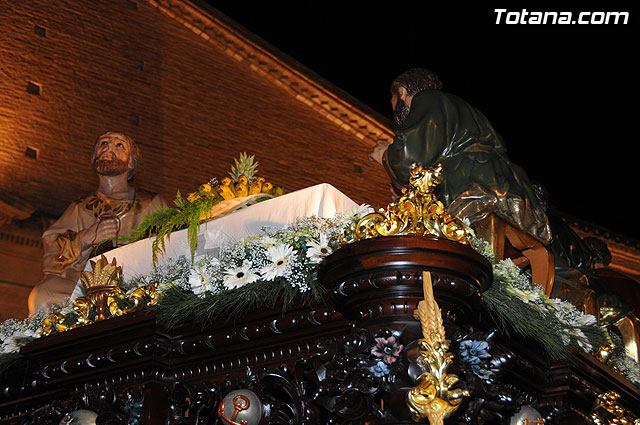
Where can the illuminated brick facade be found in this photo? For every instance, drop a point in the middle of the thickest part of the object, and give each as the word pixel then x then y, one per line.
pixel 192 88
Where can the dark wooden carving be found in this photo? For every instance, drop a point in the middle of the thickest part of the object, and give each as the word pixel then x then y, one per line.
pixel 380 280
pixel 314 364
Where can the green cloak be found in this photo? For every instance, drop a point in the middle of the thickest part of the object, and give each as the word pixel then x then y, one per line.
pixel 478 177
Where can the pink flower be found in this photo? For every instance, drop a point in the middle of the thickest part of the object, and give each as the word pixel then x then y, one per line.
pixel 387 348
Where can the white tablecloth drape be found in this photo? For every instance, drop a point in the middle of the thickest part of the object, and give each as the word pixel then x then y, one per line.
pixel 322 200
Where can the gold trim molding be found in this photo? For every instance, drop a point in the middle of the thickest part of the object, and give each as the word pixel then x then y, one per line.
pixel 608 411
pixel 416 212
pixel 105 299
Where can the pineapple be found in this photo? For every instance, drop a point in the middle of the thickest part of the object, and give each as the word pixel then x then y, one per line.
pixel 244 166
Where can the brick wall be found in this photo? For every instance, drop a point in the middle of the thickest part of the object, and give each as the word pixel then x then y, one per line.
pixel 72 69
pixel 123 65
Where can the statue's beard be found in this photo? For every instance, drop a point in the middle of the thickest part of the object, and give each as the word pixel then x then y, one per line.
pixel 110 167
pixel 400 112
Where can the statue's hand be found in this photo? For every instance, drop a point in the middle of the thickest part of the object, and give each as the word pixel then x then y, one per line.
pixel 378 151
pixel 100 230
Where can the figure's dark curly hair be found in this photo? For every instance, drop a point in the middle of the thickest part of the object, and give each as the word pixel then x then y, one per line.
pixel 416 80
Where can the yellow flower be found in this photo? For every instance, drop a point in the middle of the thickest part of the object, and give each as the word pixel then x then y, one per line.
pixel 205 187
pixel 192 197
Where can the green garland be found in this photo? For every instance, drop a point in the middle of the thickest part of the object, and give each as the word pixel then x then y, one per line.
pixel 279 267
pixel 180 303
pixel 516 304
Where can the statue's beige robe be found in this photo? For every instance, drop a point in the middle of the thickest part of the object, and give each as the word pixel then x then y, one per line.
pixel 64 256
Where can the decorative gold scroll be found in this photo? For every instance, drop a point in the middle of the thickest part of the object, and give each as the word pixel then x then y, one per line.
pixel 607 411
pixel 416 212
pixel 433 397
pixel 105 299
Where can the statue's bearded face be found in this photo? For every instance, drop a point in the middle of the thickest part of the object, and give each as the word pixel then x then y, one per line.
pixel 112 156
pixel 400 108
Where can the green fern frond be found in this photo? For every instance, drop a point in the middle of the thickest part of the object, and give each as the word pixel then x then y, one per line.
pixel 188 212
pixel 165 221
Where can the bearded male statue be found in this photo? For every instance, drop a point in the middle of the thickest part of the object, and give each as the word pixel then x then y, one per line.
pixel 434 126
pixel 114 209
pixel 480 183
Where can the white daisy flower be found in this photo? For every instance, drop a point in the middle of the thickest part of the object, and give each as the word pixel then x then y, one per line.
pixel 318 250
pixel 240 276
pixel 281 257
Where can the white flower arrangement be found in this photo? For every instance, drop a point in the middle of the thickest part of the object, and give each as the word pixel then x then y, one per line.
pixel 290 254
pixel 573 321
pixel 15 334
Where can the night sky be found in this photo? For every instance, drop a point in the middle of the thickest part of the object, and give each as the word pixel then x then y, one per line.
pixel 561 96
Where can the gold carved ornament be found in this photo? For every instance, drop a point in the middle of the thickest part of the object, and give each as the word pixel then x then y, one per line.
pixel 416 212
pixel 607 411
pixel 105 298
pixel 433 398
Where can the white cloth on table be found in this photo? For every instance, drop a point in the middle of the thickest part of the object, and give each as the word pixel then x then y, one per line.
pixel 322 200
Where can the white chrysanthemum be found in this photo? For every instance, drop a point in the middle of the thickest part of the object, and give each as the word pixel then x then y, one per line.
pixel 359 211
pixel 582 340
pixel 582 320
pixel 240 276
pixel 9 345
pixel 318 250
pixel 507 271
pixel 561 305
pixel 268 241
pixel 280 261
pixel 199 281
pixel 527 296
pixel 19 338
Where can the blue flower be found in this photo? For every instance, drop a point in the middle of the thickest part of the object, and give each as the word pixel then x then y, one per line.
pixel 379 370
pixel 472 352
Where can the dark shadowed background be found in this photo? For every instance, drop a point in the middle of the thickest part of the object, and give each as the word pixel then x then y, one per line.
pixel 563 97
